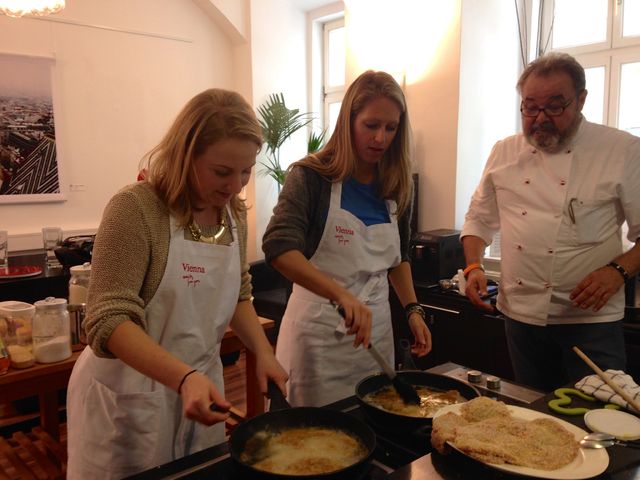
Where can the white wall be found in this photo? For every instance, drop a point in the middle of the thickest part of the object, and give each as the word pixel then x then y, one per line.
pixel 116 90
pixel 460 61
pixel 489 68
pixel 420 41
pixel 278 64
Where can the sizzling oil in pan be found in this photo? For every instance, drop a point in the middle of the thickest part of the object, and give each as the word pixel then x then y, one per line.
pixel 303 451
pixel 431 401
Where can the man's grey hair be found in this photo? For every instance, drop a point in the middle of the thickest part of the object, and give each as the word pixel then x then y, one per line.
pixel 555 62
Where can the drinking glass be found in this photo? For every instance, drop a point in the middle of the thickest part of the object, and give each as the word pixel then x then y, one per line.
pixel 52 238
pixel 4 249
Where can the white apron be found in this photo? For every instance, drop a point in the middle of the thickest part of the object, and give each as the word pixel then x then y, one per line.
pixel 312 345
pixel 122 422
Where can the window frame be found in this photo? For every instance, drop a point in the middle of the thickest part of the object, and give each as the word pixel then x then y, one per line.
pixel 547 28
pixel 330 94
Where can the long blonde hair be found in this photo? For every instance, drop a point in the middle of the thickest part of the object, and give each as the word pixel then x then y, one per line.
pixel 210 116
pixel 337 159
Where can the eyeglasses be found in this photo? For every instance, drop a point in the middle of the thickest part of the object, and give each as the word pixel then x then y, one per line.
pixel 549 111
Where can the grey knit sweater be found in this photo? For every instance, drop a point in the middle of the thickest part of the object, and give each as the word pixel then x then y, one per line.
pixel 129 259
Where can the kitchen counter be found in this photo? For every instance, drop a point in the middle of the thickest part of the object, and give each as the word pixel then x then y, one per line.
pixel 463 334
pixel 399 456
pixel 52 282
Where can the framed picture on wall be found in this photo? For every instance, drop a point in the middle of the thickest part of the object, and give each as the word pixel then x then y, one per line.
pixel 29 166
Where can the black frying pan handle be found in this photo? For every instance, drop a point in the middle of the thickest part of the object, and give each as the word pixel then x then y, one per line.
pixel 217 408
pixel 278 401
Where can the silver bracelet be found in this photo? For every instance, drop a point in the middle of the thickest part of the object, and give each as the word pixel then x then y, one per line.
pixel 414 308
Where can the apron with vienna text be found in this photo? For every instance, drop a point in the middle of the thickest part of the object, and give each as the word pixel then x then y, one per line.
pixel 312 345
pixel 122 422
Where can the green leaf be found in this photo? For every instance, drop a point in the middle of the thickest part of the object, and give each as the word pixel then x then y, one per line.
pixel 279 122
pixel 273 169
pixel 315 141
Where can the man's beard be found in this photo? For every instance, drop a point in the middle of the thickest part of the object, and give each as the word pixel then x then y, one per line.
pixel 546 137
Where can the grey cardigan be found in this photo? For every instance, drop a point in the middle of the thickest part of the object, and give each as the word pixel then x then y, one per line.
pixel 299 218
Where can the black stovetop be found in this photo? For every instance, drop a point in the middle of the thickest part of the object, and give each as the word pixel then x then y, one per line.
pixel 406 455
pixel 394 449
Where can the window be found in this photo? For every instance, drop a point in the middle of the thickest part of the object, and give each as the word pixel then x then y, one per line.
pixel 604 36
pixel 333 77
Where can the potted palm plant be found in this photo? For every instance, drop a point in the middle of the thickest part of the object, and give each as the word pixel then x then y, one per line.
pixel 278 124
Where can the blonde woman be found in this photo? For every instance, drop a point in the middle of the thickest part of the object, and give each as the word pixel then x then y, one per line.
pixel 169 274
pixel 340 232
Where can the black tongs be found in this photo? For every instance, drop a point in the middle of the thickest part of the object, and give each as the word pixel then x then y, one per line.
pixel 406 392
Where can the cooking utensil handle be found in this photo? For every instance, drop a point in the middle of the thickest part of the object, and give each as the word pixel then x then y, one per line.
pixel 628 443
pixel 390 372
pixel 278 400
pixel 339 308
pixel 407 360
pixel 605 378
pixel 386 368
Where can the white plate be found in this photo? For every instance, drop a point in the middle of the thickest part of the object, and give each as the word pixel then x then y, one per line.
pixel 620 424
pixel 588 463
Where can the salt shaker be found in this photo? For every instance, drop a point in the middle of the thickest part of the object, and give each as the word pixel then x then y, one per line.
pixel 51 331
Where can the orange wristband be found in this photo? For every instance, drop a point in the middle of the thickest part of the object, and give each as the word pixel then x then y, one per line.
pixel 471 267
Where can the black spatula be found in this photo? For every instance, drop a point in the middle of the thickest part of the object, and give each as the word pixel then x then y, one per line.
pixel 405 390
pixel 407 393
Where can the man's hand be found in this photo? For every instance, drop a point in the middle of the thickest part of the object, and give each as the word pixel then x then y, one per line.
pixel 477 288
pixel 595 290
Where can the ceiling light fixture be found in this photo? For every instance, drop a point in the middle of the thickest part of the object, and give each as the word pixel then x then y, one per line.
pixel 19 8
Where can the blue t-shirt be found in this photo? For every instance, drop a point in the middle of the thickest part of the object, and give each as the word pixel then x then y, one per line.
pixel 362 200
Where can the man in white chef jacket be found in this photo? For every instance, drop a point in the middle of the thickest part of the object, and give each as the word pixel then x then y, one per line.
pixel 558 192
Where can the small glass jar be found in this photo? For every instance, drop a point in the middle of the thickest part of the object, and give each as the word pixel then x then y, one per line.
pixel 51 331
pixel 16 331
pixel 79 283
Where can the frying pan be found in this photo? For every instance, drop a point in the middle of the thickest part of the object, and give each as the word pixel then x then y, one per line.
pixel 396 421
pixel 282 416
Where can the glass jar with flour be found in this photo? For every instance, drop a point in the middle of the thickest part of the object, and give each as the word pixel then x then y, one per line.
pixel 51 331
pixel 79 283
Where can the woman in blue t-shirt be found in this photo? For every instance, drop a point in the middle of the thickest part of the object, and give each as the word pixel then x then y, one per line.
pixel 340 232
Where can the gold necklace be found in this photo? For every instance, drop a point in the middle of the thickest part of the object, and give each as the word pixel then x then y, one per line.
pixel 196 232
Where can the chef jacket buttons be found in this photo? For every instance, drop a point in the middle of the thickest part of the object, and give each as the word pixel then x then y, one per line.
pixel 527 181
pixel 550 250
pixel 524 212
pixel 563 182
pixel 519 282
pixel 493 383
pixel 519 247
pixel 547 285
pixel 474 376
